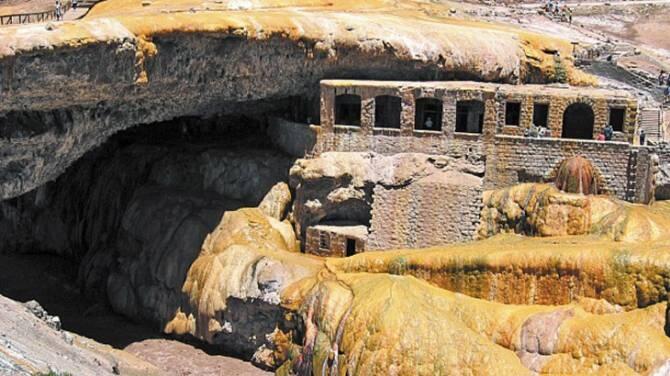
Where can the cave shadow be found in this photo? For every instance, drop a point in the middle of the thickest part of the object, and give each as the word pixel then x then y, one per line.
pixel 52 281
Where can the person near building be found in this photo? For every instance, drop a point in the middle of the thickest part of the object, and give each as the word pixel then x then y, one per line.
pixel 661 78
pixel 429 123
pixel 568 13
pixel 643 137
pixel 74 4
pixel 608 132
pixel 600 137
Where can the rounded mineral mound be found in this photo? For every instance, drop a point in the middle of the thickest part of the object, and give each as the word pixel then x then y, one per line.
pixel 577 175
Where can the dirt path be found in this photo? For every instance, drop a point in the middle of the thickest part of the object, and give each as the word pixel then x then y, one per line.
pixel 599 3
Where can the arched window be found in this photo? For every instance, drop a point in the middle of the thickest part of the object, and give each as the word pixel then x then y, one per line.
pixel 387 111
pixel 428 114
pixel 469 116
pixel 578 121
pixel 348 109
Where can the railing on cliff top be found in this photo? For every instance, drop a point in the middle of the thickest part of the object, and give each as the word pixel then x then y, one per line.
pixel 24 18
pixel 47 15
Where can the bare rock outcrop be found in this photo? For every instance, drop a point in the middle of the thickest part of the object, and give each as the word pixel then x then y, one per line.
pixel 30 344
pixel 340 186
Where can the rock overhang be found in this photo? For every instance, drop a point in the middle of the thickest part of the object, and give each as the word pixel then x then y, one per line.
pixel 138 62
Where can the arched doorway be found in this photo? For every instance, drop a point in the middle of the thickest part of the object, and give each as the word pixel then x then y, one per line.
pixel 578 121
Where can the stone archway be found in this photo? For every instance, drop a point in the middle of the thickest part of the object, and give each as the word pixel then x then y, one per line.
pixel 578 120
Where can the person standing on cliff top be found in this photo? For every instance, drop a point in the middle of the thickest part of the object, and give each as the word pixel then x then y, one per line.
pixel 59 10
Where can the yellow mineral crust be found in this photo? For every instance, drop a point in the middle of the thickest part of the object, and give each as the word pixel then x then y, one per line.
pixel 524 270
pixel 246 249
pixel 404 326
pixel 542 210
pixel 411 30
pixel 398 312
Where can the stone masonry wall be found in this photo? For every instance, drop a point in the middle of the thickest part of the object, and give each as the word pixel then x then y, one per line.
pixel 424 215
pixel 337 242
pixel 516 157
pixel 510 158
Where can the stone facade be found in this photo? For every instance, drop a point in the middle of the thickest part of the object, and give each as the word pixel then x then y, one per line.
pixel 623 168
pixel 424 214
pixel 336 240
pixel 510 157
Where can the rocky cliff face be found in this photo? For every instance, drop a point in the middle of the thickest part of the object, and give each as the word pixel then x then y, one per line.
pixel 64 91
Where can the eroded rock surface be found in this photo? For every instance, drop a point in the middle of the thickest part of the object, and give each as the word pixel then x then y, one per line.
pixel 126 64
pixel 234 287
pixel 541 210
pixel 29 344
pixel 341 186
pixel 136 214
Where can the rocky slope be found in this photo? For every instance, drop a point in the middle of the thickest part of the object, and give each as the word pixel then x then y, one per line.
pixel 29 344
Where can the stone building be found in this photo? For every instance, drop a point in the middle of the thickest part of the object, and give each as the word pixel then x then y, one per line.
pixel 488 121
pixel 484 122
pixel 336 239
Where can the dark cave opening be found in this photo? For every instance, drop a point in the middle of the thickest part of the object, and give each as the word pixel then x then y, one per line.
pixel 109 242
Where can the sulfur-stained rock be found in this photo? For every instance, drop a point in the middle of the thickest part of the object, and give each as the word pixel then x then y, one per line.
pixel 234 286
pixel 577 175
pixel 541 210
pixel 371 324
pixel 396 311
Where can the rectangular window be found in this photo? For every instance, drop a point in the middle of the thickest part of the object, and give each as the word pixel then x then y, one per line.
pixel 469 116
pixel 541 115
pixel 512 113
pixel 617 116
pixel 348 110
pixel 387 111
pixel 324 241
pixel 428 114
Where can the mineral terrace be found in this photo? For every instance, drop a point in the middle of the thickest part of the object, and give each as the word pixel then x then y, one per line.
pixel 313 187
